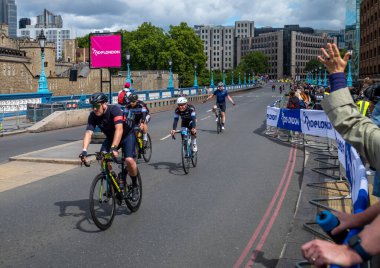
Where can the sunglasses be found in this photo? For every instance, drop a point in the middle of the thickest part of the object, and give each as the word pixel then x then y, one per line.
pixel 96 106
pixel 181 105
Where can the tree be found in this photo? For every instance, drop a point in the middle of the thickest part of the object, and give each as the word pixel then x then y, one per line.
pixel 83 41
pixel 312 64
pixel 256 62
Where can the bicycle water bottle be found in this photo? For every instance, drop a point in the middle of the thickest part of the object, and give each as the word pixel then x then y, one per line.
pixel 328 221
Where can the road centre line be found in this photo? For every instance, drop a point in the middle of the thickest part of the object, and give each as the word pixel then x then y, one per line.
pixel 206 117
pixel 209 110
pixel 164 138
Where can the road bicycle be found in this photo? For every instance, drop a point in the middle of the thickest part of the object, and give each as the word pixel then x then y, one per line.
pixel 105 191
pixel 143 150
pixel 218 120
pixel 187 154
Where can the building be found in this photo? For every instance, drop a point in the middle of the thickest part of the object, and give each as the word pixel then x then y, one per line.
pixel 55 35
pixel 288 50
pixel 23 22
pixel 220 43
pixel 352 33
pixel 339 34
pixel 8 15
pixel 49 20
pixel 369 39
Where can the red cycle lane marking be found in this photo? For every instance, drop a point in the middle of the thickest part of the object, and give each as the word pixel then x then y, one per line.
pixel 273 218
pixel 267 212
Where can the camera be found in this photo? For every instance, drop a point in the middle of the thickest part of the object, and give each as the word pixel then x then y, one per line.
pixel 373 92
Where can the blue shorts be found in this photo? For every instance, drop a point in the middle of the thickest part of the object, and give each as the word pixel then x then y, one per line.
pixel 127 145
pixel 221 106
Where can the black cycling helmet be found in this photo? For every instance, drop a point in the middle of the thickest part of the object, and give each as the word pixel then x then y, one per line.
pixel 133 97
pixel 98 98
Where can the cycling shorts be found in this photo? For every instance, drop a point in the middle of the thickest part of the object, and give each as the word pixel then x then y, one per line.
pixel 127 145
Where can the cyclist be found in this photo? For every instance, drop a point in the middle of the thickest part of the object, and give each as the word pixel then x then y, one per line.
pixel 221 95
pixel 187 113
pixel 140 113
pixel 118 132
pixel 122 97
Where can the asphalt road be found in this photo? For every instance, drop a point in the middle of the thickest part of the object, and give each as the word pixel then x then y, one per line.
pixel 237 205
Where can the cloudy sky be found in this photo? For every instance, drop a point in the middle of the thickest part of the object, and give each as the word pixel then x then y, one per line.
pixel 89 15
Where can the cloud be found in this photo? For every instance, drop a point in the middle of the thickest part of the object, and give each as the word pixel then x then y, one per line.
pixel 90 15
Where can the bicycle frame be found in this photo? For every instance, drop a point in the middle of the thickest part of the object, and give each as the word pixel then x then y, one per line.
pixel 186 138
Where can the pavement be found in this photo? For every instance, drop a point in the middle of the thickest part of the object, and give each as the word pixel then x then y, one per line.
pixel 14 125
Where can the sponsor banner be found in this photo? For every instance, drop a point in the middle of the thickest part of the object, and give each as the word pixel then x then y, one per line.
pixel 272 116
pixel 341 143
pixel 315 123
pixel 105 51
pixel 289 119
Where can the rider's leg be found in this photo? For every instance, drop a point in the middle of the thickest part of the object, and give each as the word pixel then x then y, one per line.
pixel 214 110
pixel 130 155
pixel 223 117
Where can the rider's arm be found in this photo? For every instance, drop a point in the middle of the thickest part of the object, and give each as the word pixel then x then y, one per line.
pixel 87 139
pixel 176 118
pixel 118 134
pixel 194 118
pixel 209 97
pixel 230 99
pixel 144 113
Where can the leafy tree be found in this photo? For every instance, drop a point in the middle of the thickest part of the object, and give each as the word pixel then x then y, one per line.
pixel 312 64
pixel 253 62
pixel 83 41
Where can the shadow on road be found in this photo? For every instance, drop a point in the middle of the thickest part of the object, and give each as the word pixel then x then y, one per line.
pixel 173 168
pixel 208 130
pixel 82 213
pixel 269 263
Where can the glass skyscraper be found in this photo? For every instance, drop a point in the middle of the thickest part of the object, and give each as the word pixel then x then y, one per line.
pixel 352 33
pixel 8 15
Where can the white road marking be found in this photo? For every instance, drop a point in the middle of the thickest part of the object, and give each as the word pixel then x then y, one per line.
pixel 164 138
pixel 206 117
pixel 209 110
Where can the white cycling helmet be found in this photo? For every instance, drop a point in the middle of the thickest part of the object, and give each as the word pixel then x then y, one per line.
pixel 181 100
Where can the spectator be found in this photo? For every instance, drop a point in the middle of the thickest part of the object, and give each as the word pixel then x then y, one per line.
pixel 300 99
pixel 293 102
pixel 364 136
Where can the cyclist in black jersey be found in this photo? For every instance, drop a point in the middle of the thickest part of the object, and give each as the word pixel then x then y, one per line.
pixel 119 134
pixel 140 112
pixel 189 119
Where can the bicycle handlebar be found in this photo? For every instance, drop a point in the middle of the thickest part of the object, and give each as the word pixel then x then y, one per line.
pixel 101 156
pixel 177 131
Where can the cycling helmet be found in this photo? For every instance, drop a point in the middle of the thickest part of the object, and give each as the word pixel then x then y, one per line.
pixel 181 100
pixel 220 84
pixel 133 97
pixel 98 98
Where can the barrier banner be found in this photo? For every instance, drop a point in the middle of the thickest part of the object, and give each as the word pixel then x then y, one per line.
pixel 341 143
pixel 272 116
pixel 315 123
pixel 290 119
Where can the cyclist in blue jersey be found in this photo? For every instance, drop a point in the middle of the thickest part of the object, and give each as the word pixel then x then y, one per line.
pixel 221 94
pixel 119 134
pixel 140 112
pixel 189 119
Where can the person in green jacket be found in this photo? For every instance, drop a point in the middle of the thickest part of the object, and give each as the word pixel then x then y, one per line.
pixel 364 136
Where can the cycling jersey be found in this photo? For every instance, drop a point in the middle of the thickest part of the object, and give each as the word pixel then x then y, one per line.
pixel 221 95
pixel 112 116
pixel 188 117
pixel 139 112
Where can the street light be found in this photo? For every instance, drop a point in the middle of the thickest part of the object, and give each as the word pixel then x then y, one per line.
pixel 245 79
pixel 325 79
pixel 128 79
pixel 316 79
pixel 170 84
pixel 319 76
pixel 249 78
pixel 239 79
pixel 42 82
pixel 349 75
pixel 232 77
pixel 212 78
pixel 224 78
pixel 195 76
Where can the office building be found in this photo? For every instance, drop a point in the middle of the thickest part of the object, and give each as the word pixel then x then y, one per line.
pixel 22 23
pixel 49 20
pixel 8 15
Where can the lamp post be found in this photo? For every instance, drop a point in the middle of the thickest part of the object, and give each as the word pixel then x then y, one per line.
pixel 249 78
pixel 170 84
pixel 42 82
pixel 325 79
pixel 316 79
pixel 349 74
pixel 232 77
pixel 239 79
pixel 212 78
pixel 253 78
pixel 245 79
pixel 128 79
pixel 319 76
pixel 224 78
pixel 195 76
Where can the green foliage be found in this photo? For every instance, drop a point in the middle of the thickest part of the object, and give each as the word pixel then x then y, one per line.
pixel 256 62
pixel 313 64
pixel 83 41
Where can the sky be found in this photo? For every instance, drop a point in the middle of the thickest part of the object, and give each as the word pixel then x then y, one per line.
pixel 90 15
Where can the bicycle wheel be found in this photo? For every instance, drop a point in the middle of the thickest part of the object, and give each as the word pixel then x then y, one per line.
pixel 194 158
pixel 147 149
pixel 185 157
pixel 102 202
pixel 219 125
pixel 134 205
